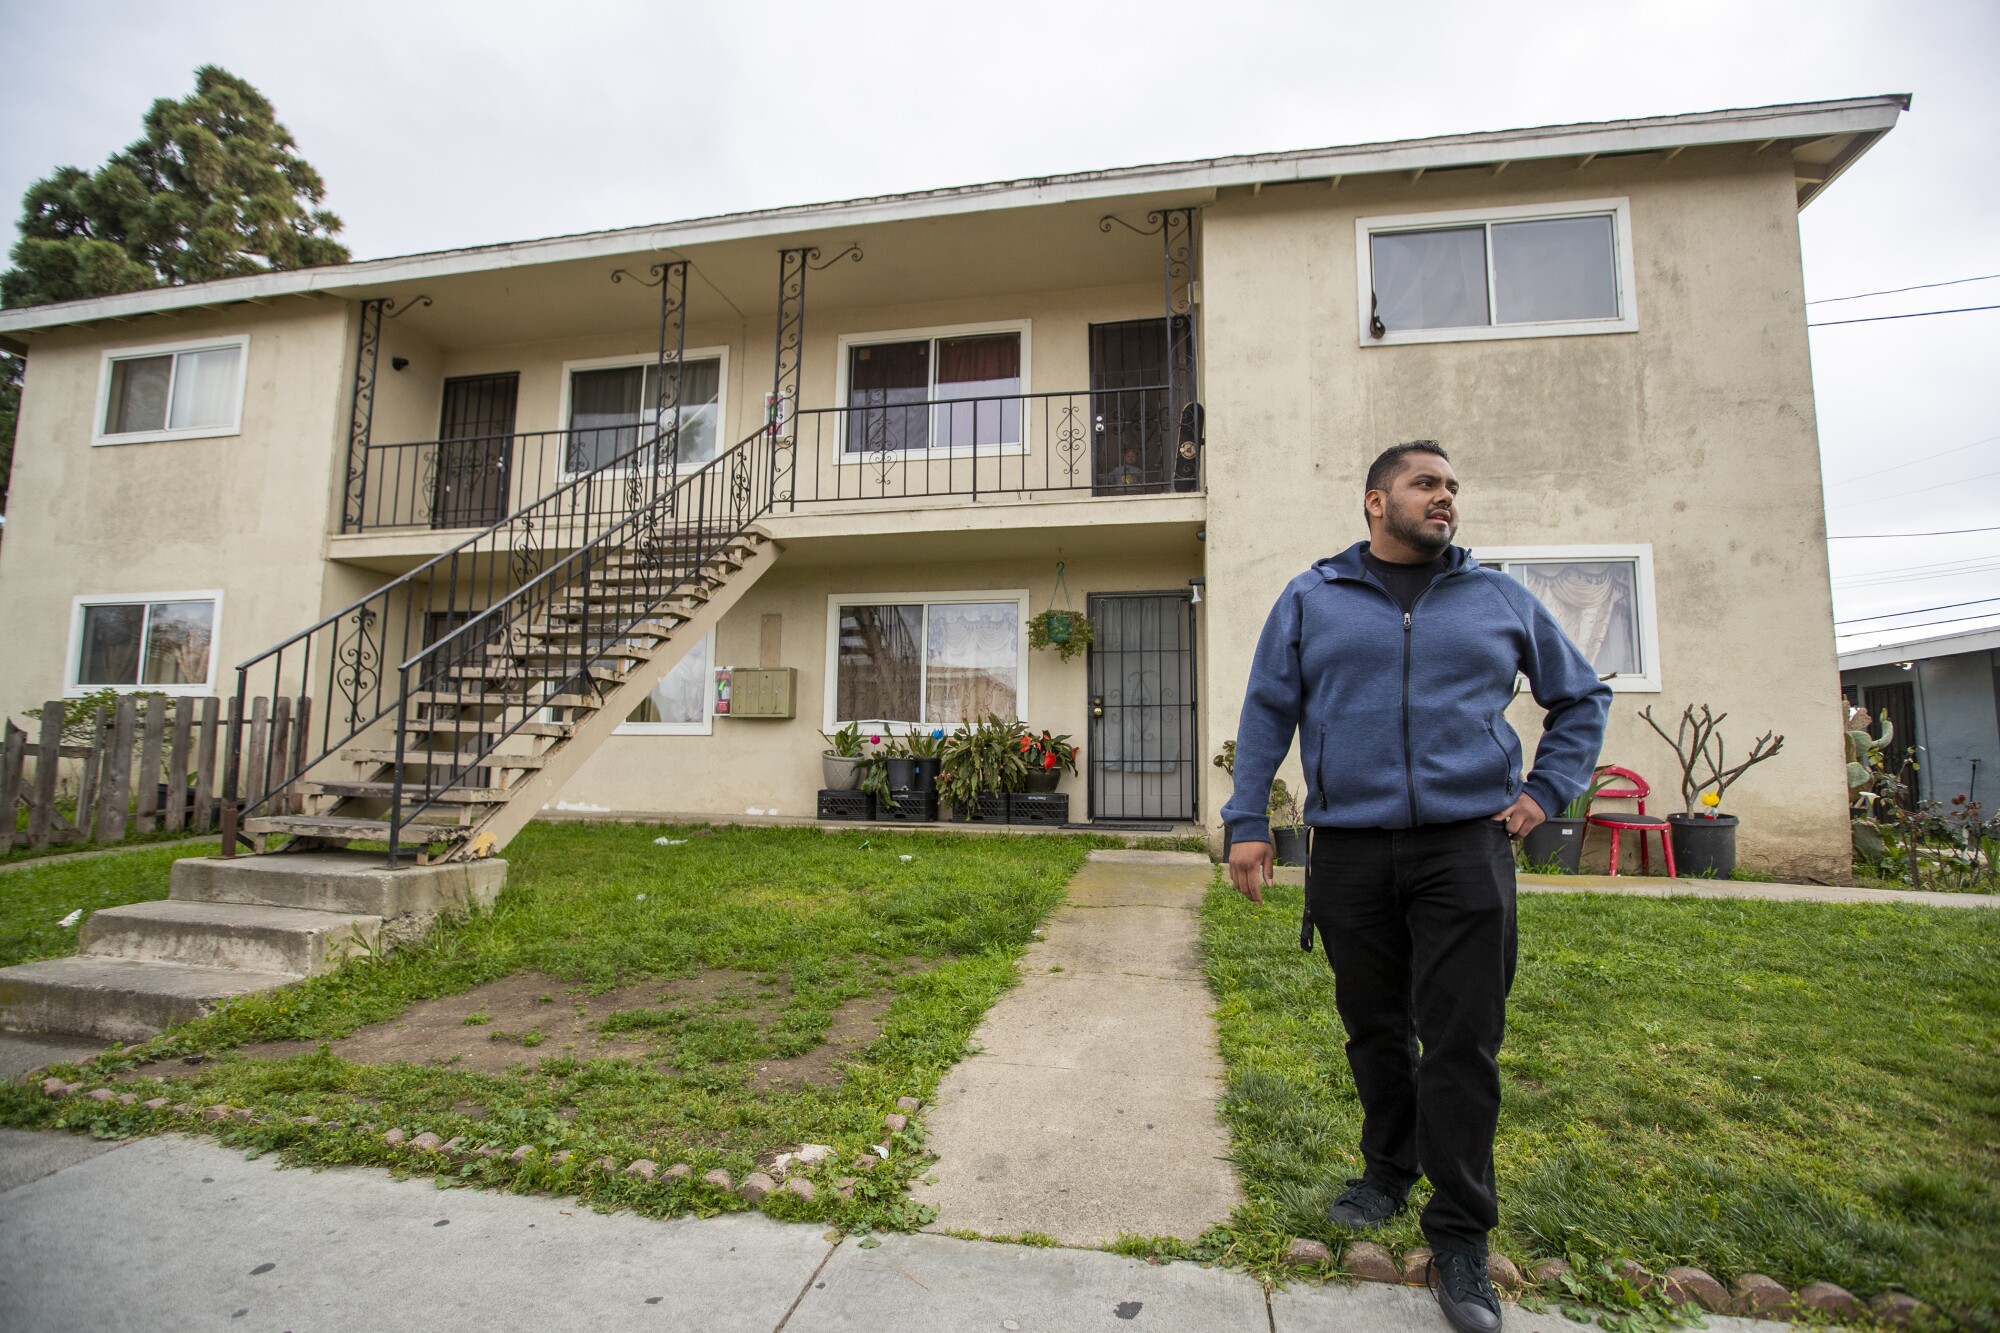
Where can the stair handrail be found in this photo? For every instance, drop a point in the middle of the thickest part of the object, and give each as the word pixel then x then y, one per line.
pixel 278 765
pixel 685 529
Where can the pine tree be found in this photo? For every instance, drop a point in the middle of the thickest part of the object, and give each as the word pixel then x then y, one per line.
pixel 212 190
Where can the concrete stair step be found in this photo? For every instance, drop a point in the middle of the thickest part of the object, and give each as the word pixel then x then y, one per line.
pixel 347 884
pixel 119 999
pixel 237 936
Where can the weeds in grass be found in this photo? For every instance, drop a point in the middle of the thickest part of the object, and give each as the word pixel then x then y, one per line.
pixel 34 899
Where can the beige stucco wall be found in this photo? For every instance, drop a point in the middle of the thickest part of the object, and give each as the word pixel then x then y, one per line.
pixel 772 767
pixel 244 513
pixel 1695 433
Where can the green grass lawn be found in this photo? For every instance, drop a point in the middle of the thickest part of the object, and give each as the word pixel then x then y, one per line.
pixel 1803 1090
pixel 929 923
pixel 34 899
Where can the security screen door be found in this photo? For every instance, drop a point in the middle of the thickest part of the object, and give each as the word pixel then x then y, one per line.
pixel 1128 408
pixel 1141 752
pixel 474 438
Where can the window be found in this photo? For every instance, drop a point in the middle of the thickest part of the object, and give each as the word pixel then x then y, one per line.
pixel 613 407
pixel 682 703
pixel 1501 273
pixel 161 641
pixel 946 389
pixel 1602 596
pixel 937 660
pixel 180 392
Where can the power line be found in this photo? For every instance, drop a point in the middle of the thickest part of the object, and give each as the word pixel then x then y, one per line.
pixel 1931 564
pixel 1914 461
pixel 1877 536
pixel 1887 579
pixel 1921 624
pixel 1897 495
pixel 1914 314
pixel 1921 610
pixel 1891 291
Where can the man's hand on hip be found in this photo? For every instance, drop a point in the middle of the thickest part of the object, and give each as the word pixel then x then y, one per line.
pixel 1250 868
pixel 1521 819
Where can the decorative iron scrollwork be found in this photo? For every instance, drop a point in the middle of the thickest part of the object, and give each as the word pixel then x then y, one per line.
pixel 782 406
pixel 1072 442
pixel 361 413
pixel 359 655
pixel 416 302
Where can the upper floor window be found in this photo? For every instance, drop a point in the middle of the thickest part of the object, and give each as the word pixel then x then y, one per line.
pixel 154 641
pixel 613 408
pixel 945 389
pixel 1531 271
pixel 182 391
pixel 1602 596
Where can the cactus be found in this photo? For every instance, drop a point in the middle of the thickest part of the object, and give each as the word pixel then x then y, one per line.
pixel 1865 755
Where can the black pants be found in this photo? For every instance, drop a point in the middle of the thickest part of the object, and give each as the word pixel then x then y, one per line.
pixel 1419 927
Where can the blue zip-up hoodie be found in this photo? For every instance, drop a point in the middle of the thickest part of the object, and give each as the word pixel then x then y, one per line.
pixel 1401 717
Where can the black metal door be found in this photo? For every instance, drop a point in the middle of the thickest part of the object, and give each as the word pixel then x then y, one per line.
pixel 1141 752
pixel 1128 408
pixel 475 448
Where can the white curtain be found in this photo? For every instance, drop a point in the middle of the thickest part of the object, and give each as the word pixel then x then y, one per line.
pixel 138 394
pixel 1552 269
pixel 971 661
pixel 205 388
pixel 682 697
pixel 177 639
pixel 1430 279
pixel 1597 604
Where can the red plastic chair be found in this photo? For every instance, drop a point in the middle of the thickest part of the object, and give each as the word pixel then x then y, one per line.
pixel 1637 821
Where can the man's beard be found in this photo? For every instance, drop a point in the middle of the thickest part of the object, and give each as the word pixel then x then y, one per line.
pixel 1419 534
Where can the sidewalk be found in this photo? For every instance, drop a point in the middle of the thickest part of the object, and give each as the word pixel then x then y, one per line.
pixel 181 1233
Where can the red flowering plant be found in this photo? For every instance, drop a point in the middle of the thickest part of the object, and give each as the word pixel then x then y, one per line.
pixel 1046 752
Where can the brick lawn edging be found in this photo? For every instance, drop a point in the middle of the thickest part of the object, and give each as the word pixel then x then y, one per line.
pixel 1752 1294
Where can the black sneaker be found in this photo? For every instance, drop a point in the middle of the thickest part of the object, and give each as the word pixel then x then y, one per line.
pixel 1363 1206
pixel 1464 1292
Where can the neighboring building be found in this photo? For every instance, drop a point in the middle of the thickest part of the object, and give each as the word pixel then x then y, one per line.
pixel 1942 695
pixel 1152 377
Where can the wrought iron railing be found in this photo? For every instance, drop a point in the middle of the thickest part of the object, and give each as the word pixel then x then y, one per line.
pixel 589 561
pixel 1105 442
pixel 477 480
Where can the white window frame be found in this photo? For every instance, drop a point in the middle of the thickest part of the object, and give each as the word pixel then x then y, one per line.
pixel 705 727
pixel 240 341
pixel 830 722
pixel 1619 210
pixel 842 360
pixel 73 690
pixel 719 354
pixel 1641 554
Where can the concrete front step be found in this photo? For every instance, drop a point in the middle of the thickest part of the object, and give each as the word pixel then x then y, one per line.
pixel 239 936
pixel 119 999
pixel 350 884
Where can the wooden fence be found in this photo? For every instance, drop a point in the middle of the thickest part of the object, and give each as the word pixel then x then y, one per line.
pixel 173 766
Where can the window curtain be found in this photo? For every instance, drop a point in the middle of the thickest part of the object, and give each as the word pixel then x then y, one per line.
pixel 177 639
pixel 701 408
pixel 986 369
pixel 682 697
pixel 1554 269
pixel 138 394
pixel 887 385
pixel 604 415
pixel 1597 605
pixel 111 636
pixel 971 661
pixel 1430 279
pixel 879 677
pixel 205 388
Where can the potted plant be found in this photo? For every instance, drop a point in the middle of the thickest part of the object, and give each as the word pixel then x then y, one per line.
pixel 982 759
pixel 913 764
pixel 1290 838
pixel 1068 632
pixel 1048 758
pixel 1704 838
pixel 1556 844
pixel 874 776
pixel 840 764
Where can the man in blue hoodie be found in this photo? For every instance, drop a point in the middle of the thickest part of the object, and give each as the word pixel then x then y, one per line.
pixel 1394 662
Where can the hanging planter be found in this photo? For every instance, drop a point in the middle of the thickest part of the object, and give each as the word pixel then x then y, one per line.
pixel 1068 632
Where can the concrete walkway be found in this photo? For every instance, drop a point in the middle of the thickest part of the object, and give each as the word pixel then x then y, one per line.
pixel 1089 1109
pixel 182 1233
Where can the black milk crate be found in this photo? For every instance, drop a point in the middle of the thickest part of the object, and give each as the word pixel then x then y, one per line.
pixel 846 805
pixel 1034 807
pixel 912 807
pixel 990 809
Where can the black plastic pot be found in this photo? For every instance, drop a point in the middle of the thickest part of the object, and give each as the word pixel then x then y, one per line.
pixel 1291 846
pixel 902 774
pixel 927 773
pixel 1704 846
pixel 1556 841
pixel 1042 780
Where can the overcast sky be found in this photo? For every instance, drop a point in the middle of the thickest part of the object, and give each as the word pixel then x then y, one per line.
pixel 439 125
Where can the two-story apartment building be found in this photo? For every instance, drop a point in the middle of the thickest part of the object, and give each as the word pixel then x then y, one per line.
pixel 371 482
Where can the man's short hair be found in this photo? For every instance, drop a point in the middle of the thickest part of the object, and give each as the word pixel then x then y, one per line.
pixel 1390 461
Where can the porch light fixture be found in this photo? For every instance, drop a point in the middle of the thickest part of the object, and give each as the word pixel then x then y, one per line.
pixel 1198 582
